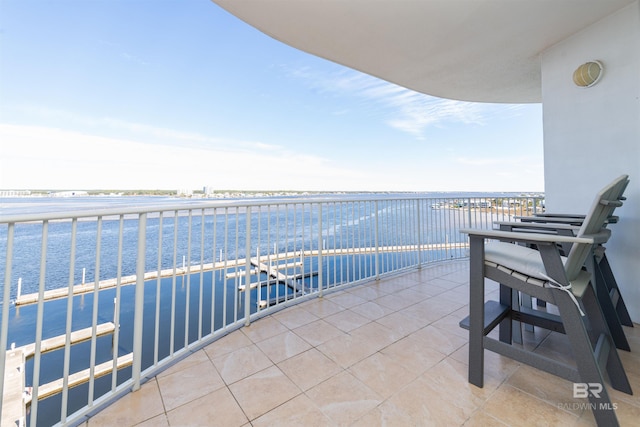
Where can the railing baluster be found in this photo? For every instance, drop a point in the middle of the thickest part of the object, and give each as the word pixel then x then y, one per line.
pixel 188 279
pixel 320 261
pixel 247 272
pixel 176 222
pixel 67 341
pixel 116 308
pixel 156 329
pixel 139 301
pixel 200 289
pixel 94 320
pixel 39 323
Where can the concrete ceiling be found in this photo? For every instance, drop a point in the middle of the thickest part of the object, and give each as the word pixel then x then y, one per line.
pixel 472 50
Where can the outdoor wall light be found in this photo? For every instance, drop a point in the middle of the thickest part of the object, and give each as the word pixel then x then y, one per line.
pixel 588 74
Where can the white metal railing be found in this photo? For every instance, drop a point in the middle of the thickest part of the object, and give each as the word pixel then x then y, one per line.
pixel 197 271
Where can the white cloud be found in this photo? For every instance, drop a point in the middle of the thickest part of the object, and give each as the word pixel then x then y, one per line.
pixel 405 109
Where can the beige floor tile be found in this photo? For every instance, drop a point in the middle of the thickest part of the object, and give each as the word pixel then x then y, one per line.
pixel 450 377
pixel 495 365
pixel 631 360
pixel 309 369
pixel 218 408
pixel 425 404
pixel 283 346
pixel 447 285
pixel 299 411
pixel 347 350
pixel 438 339
pixel 382 374
pixel 263 391
pixel 482 419
pixel 227 344
pixel 263 328
pixel 550 388
pixel 321 307
pixel 627 414
pixel 413 355
pixel 458 295
pixel 415 294
pixel 394 302
pixel 343 398
pixel 387 415
pixel 556 346
pixel 318 332
pixel 517 408
pixel 294 317
pixel 241 363
pixel 134 408
pixel 633 399
pixel 425 313
pixel 460 276
pixel 193 359
pixel 189 384
pixel 368 291
pixel 159 421
pixel 346 320
pixel 398 283
pixel 400 323
pixel 451 325
pixel 346 299
pixel 371 310
pixel 377 334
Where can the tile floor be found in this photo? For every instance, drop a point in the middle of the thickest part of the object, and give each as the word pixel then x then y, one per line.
pixel 382 353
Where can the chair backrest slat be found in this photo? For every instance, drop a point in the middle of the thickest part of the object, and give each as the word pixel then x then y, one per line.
pixel 602 208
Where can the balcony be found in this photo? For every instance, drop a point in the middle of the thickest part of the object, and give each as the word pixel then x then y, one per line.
pixel 387 352
pixel 341 309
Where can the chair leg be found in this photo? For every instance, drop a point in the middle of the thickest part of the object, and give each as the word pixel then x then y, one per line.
pixel 527 301
pixel 476 311
pixel 586 362
pixel 516 325
pixel 506 298
pixel 610 313
pixel 599 328
pixel 611 284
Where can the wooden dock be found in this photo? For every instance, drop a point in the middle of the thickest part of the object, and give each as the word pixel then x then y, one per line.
pixel 79 336
pixel 55 387
pixel 15 395
pixel 13 408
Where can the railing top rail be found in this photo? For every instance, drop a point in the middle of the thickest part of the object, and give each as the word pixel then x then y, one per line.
pixel 228 203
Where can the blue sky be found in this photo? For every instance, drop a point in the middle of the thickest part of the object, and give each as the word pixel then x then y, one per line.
pixel 124 94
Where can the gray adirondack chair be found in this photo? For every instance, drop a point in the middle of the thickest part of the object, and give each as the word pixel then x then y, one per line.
pixel 607 291
pixel 545 274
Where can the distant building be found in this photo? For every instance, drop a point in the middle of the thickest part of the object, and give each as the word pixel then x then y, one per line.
pixel 184 192
pixel 71 193
pixel 208 191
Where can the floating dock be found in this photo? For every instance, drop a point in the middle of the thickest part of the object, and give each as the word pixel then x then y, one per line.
pixel 55 387
pixel 16 397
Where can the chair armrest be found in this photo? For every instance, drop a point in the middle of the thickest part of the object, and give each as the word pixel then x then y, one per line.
pixel 551 219
pixel 525 237
pixel 559 215
pixel 537 226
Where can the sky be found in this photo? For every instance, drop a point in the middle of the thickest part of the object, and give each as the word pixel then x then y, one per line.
pixel 160 94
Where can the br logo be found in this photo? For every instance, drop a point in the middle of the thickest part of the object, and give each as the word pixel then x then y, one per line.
pixel 587 389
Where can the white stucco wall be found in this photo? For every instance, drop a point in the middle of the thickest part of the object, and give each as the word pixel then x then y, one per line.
pixel 592 135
